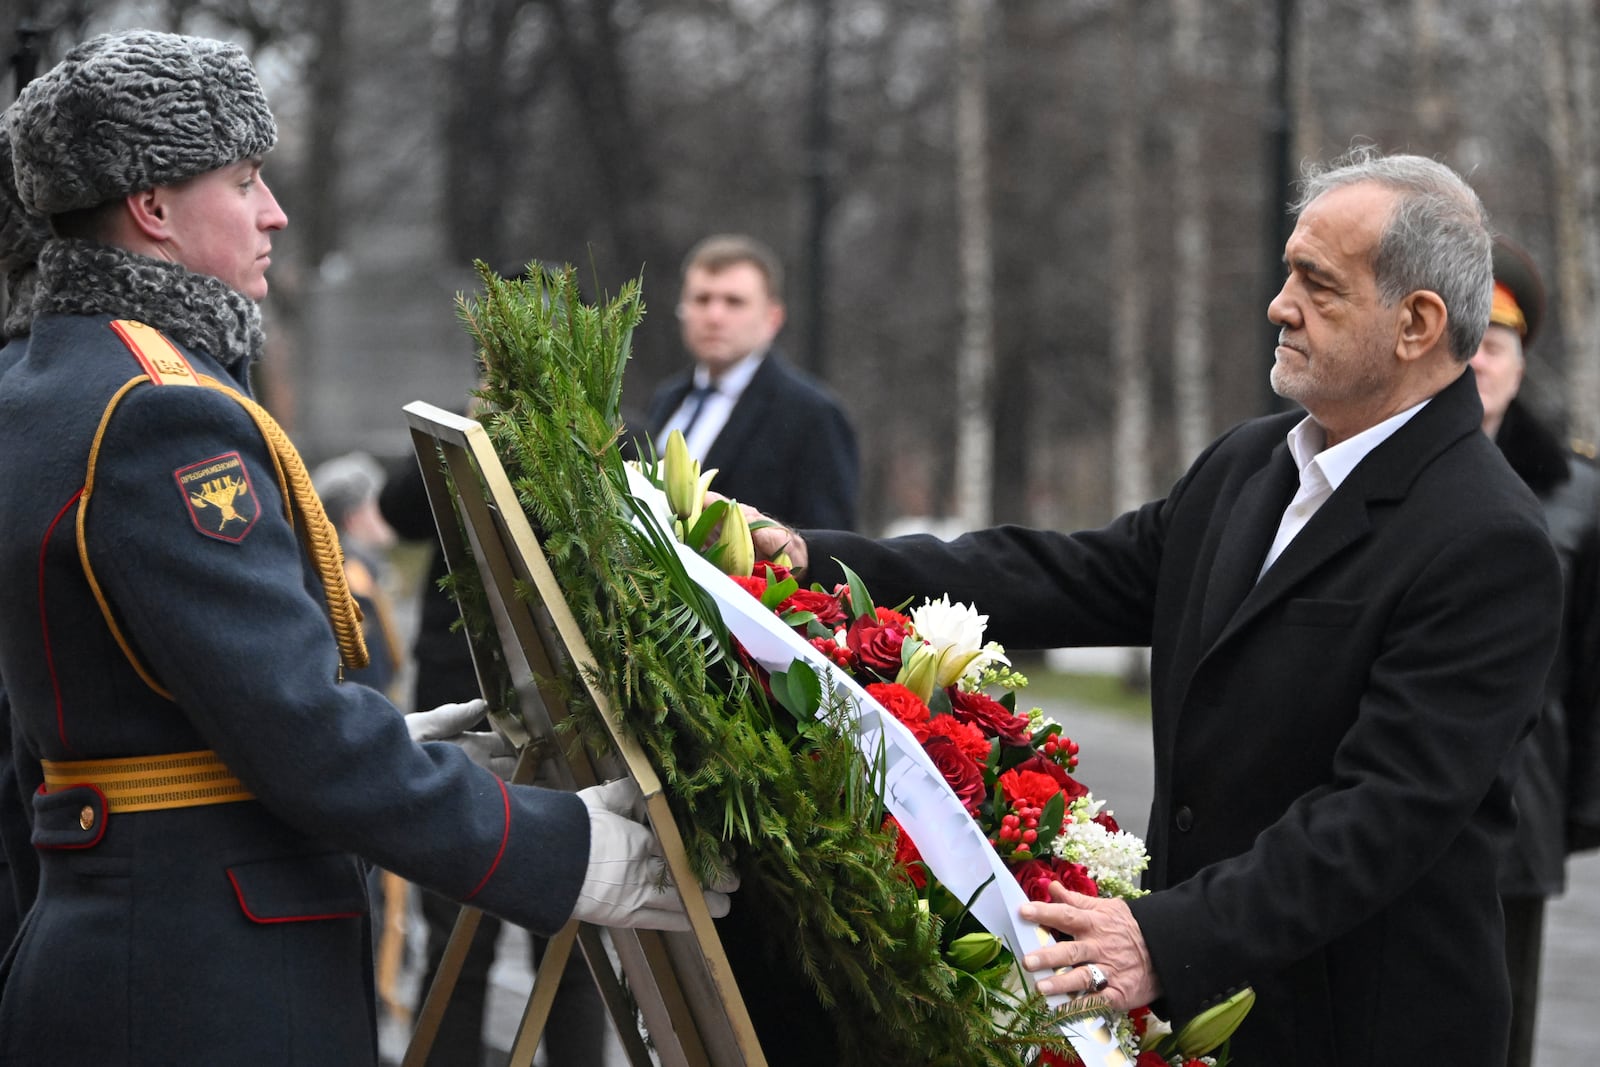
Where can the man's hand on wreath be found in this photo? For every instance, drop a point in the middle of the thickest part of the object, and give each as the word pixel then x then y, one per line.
pixel 1106 944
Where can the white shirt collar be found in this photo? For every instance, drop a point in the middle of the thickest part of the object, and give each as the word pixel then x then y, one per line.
pixel 736 378
pixel 1335 464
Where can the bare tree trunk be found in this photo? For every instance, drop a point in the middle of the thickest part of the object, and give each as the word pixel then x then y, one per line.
pixel 975 360
pixel 1130 369
pixel 1191 354
pixel 321 170
pixel 1130 366
pixel 1569 92
pixel 591 52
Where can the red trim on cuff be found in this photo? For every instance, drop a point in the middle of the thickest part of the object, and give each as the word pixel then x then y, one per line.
pixel 505 835
pixel 253 917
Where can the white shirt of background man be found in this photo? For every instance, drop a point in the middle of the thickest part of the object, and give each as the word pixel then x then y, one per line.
pixel 715 409
pixel 1322 470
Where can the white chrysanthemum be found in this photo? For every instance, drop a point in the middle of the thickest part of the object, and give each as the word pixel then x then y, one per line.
pixel 1114 860
pixel 955 632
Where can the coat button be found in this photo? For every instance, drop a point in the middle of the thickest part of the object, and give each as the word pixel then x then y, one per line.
pixel 1183 819
pixel 86 817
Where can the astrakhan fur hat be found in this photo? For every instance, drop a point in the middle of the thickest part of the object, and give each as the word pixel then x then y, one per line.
pixel 124 112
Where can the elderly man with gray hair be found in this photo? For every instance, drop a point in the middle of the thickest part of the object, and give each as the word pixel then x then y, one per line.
pixel 1351 609
pixel 177 621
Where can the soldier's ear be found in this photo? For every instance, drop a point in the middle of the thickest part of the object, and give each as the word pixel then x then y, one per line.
pixel 147 209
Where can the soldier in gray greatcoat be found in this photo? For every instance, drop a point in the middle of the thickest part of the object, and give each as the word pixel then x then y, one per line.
pixel 174 627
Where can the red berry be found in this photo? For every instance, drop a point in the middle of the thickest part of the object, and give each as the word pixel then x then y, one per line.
pixel 1030 836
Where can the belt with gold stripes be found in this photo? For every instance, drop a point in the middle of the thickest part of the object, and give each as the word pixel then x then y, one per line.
pixel 151 783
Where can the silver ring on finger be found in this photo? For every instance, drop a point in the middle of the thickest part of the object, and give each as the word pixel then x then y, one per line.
pixel 1097 978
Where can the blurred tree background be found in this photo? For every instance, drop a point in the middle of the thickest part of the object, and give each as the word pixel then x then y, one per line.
pixel 1039 231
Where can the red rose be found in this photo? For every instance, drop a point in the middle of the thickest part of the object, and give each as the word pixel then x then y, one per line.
pixel 876 642
pixel 1150 1059
pixel 1106 822
pixel 1035 877
pixel 826 608
pixel 959 769
pixel 903 704
pixel 752 584
pixel 1045 765
pixel 990 716
pixel 1030 787
pixel 1075 876
pixel 968 738
pixel 906 854
pixel 775 574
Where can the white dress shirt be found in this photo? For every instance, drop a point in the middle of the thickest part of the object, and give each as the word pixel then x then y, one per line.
pixel 1322 470
pixel 714 408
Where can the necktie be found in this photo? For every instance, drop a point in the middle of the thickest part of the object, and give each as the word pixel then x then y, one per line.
pixel 697 403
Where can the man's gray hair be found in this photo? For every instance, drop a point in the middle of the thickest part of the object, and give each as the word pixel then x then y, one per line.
pixel 1437 237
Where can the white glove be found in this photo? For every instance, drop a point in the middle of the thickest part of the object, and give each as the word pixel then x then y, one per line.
pixel 449 722
pixel 627 883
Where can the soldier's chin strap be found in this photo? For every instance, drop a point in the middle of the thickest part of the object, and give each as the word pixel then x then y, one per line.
pixel 165 365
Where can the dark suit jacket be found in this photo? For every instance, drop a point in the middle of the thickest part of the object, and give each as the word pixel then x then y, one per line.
pixel 1327 741
pixel 787 449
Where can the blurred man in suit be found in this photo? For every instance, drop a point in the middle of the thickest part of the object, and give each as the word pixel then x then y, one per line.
pixel 776 437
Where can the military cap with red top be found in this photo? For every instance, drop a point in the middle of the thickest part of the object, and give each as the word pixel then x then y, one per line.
pixel 1518 291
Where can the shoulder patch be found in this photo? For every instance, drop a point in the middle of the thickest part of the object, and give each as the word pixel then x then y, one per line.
pixel 221 501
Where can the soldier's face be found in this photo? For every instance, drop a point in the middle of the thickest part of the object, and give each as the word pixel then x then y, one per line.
pixel 1498 366
pixel 221 223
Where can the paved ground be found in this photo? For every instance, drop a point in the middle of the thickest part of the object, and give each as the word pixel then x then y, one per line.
pixel 1115 763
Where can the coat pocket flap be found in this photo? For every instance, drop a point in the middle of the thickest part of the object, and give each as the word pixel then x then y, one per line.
pixel 300 888
pixel 1309 612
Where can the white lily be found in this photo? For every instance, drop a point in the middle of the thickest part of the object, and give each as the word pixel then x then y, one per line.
pixel 955 631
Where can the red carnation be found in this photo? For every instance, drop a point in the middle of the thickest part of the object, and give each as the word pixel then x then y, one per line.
pixel 968 738
pixel 751 584
pixel 990 716
pixel 876 642
pixel 1048 1058
pixel 1150 1059
pixel 903 704
pixel 1045 765
pixel 906 854
pixel 1029 786
pixel 959 769
pixel 826 608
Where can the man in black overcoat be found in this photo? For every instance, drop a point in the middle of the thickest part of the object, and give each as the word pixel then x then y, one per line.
pixel 1349 612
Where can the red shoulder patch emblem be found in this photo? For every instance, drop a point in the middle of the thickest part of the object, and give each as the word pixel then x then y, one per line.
pixel 221 501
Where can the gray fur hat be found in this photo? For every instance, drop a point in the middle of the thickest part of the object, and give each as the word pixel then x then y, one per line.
pixel 22 234
pixel 124 112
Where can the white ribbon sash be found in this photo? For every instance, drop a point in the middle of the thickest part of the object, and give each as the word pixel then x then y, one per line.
pixel 915 791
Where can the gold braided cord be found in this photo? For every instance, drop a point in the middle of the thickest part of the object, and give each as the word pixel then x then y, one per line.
pixel 317 533
pixel 83 542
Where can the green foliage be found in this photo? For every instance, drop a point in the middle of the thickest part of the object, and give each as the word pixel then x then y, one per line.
pixel 790 799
